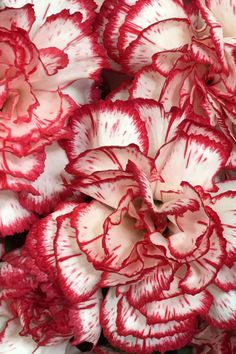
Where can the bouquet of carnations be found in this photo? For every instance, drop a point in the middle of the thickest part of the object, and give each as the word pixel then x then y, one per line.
pixel 117 176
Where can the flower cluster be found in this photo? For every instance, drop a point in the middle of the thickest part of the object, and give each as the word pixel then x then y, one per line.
pixel 50 62
pixel 134 189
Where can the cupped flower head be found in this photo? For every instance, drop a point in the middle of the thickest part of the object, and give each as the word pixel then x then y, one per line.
pixel 49 63
pixel 157 229
pixel 37 296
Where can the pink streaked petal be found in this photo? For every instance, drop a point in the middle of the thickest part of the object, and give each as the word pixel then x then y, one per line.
pixel 202 271
pixel 233 343
pixel 194 224
pixel 147 83
pixel 86 60
pixel 226 278
pixel 177 308
pixel 13 217
pixel 86 319
pixel 148 288
pixel 51 185
pixel 217 31
pixel 163 35
pixel 232 159
pixel 88 223
pixel 102 190
pixel 196 145
pixel 120 236
pixel 228 78
pixel 85 7
pixel 156 123
pixel 100 24
pixel 86 57
pixel 111 32
pixel 46 8
pixel 22 17
pixel 191 222
pixel 130 343
pixel 222 313
pixel 165 61
pixel 144 14
pixel 223 205
pixel 144 184
pixel 109 279
pixel 109 158
pixel 53 59
pixel 131 322
pixel 161 126
pixel 203 52
pixel 22 102
pixel 28 167
pixel 11 342
pixel 104 124
pixel 224 11
pixel 16 184
pixel 177 206
pixel 53 110
pixel 40 240
pixel 3 90
pixel 76 275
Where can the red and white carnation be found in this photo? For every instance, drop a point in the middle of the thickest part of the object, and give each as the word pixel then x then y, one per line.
pixel 181 55
pixel 42 309
pixel 161 238
pixel 50 62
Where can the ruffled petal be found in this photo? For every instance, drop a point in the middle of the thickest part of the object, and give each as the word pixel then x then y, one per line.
pixel 85 56
pixel 51 185
pixel 177 308
pixel 164 35
pixel 85 317
pixel 131 343
pixel 22 17
pixel 14 218
pixel 222 313
pixel 147 83
pixel 144 14
pixel 104 124
pixel 223 205
pixel 88 223
pixel 76 275
pixel 196 145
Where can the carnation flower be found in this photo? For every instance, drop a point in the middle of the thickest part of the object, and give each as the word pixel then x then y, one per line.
pixel 40 309
pixel 44 76
pixel 182 55
pixel 163 239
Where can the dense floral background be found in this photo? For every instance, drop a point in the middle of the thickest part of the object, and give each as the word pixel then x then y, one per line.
pixel 117 176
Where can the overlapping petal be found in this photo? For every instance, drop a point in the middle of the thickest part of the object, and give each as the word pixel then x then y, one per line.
pixel 45 48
